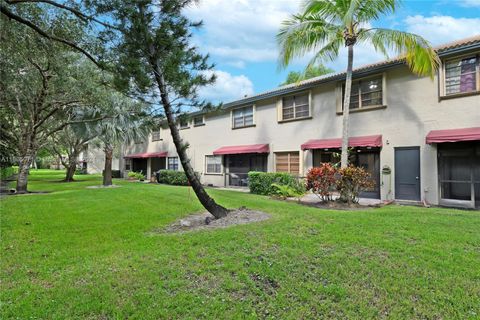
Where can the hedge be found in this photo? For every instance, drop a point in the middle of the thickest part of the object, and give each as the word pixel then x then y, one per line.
pixel 261 182
pixel 7 172
pixel 174 177
pixel 115 173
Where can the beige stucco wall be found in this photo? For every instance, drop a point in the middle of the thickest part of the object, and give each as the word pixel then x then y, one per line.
pixel 413 109
pixel 95 158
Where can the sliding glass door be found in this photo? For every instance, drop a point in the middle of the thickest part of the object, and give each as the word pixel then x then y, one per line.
pixel 459 174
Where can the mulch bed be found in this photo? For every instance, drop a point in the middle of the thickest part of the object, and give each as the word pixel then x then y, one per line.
pixel 337 205
pixel 205 221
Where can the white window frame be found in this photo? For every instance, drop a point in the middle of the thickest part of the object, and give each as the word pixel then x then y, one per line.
pixel 168 163
pixel 232 116
pixel 156 136
pixel 198 124
pixel 187 124
pixel 128 164
pixel 307 93
pixel 221 164
pixel 443 76
pixel 374 107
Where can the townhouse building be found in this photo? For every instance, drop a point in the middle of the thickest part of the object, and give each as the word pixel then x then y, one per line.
pixel 418 137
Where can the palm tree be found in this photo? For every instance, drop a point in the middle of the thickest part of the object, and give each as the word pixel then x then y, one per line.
pixel 124 121
pixel 324 26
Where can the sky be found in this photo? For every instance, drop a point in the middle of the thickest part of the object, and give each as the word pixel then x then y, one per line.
pixel 239 36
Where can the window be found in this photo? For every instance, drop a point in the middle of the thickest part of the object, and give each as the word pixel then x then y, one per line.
pixel 461 75
pixel 128 164
pixel 183 123
pixel 198 121
pixel 295 107
pixel 242 117
pixel 214 164
pixel 287 162
pixel 156 136
pixel 172 163
pixel 365 93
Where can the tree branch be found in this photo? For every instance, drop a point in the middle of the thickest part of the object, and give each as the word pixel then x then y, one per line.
pixel 5 11
pixel 76 12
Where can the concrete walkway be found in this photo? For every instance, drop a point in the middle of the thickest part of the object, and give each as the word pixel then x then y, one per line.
pixel 311 198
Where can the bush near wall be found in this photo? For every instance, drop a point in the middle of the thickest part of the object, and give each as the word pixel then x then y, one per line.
pixel 7 172
pixel 178 178
pixel 261 182
pixel 115 173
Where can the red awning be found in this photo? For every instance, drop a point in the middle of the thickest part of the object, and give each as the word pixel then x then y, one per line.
pixel 365 141
pixel 453 135
pixel 147 155
pixel 252 148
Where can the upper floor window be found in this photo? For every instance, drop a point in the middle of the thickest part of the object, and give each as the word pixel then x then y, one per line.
pixel 461 75
pixel 183 123
pixel 295 107
pixel 198 121
pixel 156 135
pixel 365 93
pixel 242 117
pixel 214 164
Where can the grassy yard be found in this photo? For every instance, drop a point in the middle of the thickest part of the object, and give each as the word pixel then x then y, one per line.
pixel 91 254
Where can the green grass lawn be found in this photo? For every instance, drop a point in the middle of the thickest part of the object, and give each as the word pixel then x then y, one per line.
pixel 91 254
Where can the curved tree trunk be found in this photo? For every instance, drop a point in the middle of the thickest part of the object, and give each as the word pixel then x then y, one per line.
pixel 72 167
pixel 107 172
pixel 346 108
pixel 215 209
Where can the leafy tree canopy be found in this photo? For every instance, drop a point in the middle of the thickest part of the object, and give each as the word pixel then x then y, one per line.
pixel 308 73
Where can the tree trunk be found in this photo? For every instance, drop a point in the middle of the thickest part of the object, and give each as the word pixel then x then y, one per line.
pixel 346 108
pixel 215 209
pixel 72 167
pixel 23 170
pixel 107 172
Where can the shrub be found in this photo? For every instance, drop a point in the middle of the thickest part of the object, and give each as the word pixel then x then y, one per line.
pixel 351 181
pixel 261 182
pixel 178 178
pixel 80 171
pixel 116 174
pixel 321 181
pixel 7 172
pixel 134 175
pixel 288 191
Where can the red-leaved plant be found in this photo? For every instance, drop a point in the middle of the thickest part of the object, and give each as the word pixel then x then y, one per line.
pixel 351 181
pixel 321 181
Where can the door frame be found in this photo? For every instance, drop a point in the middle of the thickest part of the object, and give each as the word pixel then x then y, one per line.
pixel 419 171
pixel 469 204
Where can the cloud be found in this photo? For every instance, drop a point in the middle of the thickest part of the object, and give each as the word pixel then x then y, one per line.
pixel 470 3
pixel 241 30
pixel 227 87
pixel 441 29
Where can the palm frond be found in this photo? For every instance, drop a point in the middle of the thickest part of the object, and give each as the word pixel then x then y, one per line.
pixel 369 10
pixel 418 53
pixel 302 34
pixel 329 52
pixel 329 10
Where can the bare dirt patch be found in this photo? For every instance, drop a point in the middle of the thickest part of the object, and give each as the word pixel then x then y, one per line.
pixel 205 221
pixel 104 187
